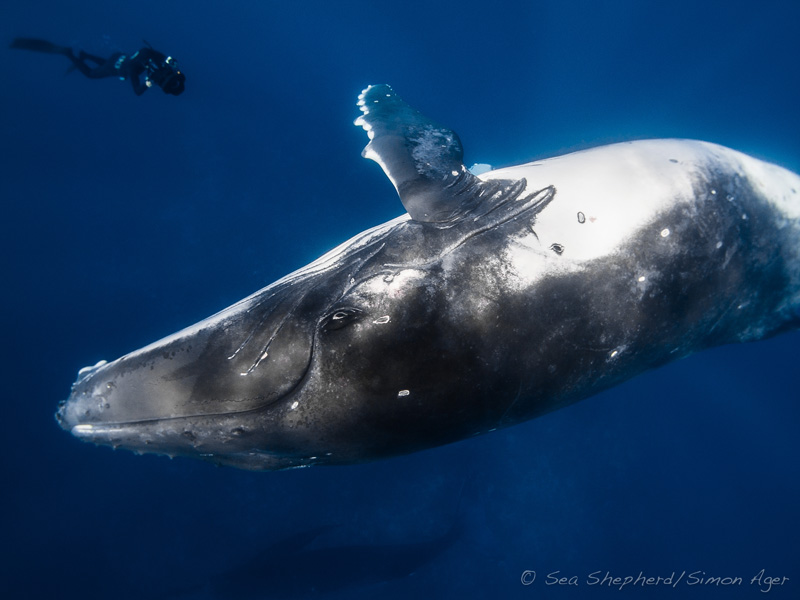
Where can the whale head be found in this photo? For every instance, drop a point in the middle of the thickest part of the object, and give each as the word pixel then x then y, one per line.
pixel 352 356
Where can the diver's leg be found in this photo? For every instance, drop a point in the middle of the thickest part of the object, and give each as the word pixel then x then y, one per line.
pixel 95 59
pixel 79 64
pixel 105 67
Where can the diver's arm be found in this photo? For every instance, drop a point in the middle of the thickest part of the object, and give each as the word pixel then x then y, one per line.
pixel 139 87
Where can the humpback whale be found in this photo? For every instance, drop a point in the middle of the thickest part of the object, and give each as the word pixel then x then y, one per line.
pixel 494 299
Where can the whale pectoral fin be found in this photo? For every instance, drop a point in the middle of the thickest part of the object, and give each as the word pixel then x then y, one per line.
pixel 422 159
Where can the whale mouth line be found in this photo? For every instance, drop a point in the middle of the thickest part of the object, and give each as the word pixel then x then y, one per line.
pixel 88 431
pixel 93 431
pixel 85 429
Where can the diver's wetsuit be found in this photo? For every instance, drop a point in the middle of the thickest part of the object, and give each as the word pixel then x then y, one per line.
pixel 157 68
pixel 119 65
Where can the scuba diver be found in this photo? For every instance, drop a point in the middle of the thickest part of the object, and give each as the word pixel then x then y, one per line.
pixel 157 68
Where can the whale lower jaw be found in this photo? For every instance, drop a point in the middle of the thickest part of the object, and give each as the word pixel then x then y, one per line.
pixel 182 437
pixel 169 437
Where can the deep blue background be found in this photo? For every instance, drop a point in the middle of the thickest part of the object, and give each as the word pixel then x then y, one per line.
pixel 127 218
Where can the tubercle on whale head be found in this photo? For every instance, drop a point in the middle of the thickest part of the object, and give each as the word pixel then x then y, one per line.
pixel 65 415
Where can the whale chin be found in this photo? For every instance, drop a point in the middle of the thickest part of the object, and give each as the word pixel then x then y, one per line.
pixel 170 437
pixel 231 445
pixel 167 437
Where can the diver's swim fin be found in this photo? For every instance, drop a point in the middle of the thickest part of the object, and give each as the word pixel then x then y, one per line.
pixel 39 46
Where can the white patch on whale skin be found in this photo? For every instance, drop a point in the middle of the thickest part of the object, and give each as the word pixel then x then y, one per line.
pixel 604 194
pixel 429 142
pixel 616 189
pixel 528 261
pixel 396 285
pixel 780 186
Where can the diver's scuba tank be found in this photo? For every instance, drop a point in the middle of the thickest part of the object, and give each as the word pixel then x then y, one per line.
pixel 164 72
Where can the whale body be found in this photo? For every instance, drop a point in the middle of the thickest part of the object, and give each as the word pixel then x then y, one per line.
pixel 495 299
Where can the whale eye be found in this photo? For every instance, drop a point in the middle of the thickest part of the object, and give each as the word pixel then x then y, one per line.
pixel 339 318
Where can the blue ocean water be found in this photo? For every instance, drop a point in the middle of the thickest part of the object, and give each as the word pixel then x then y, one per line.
pixel 127 218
